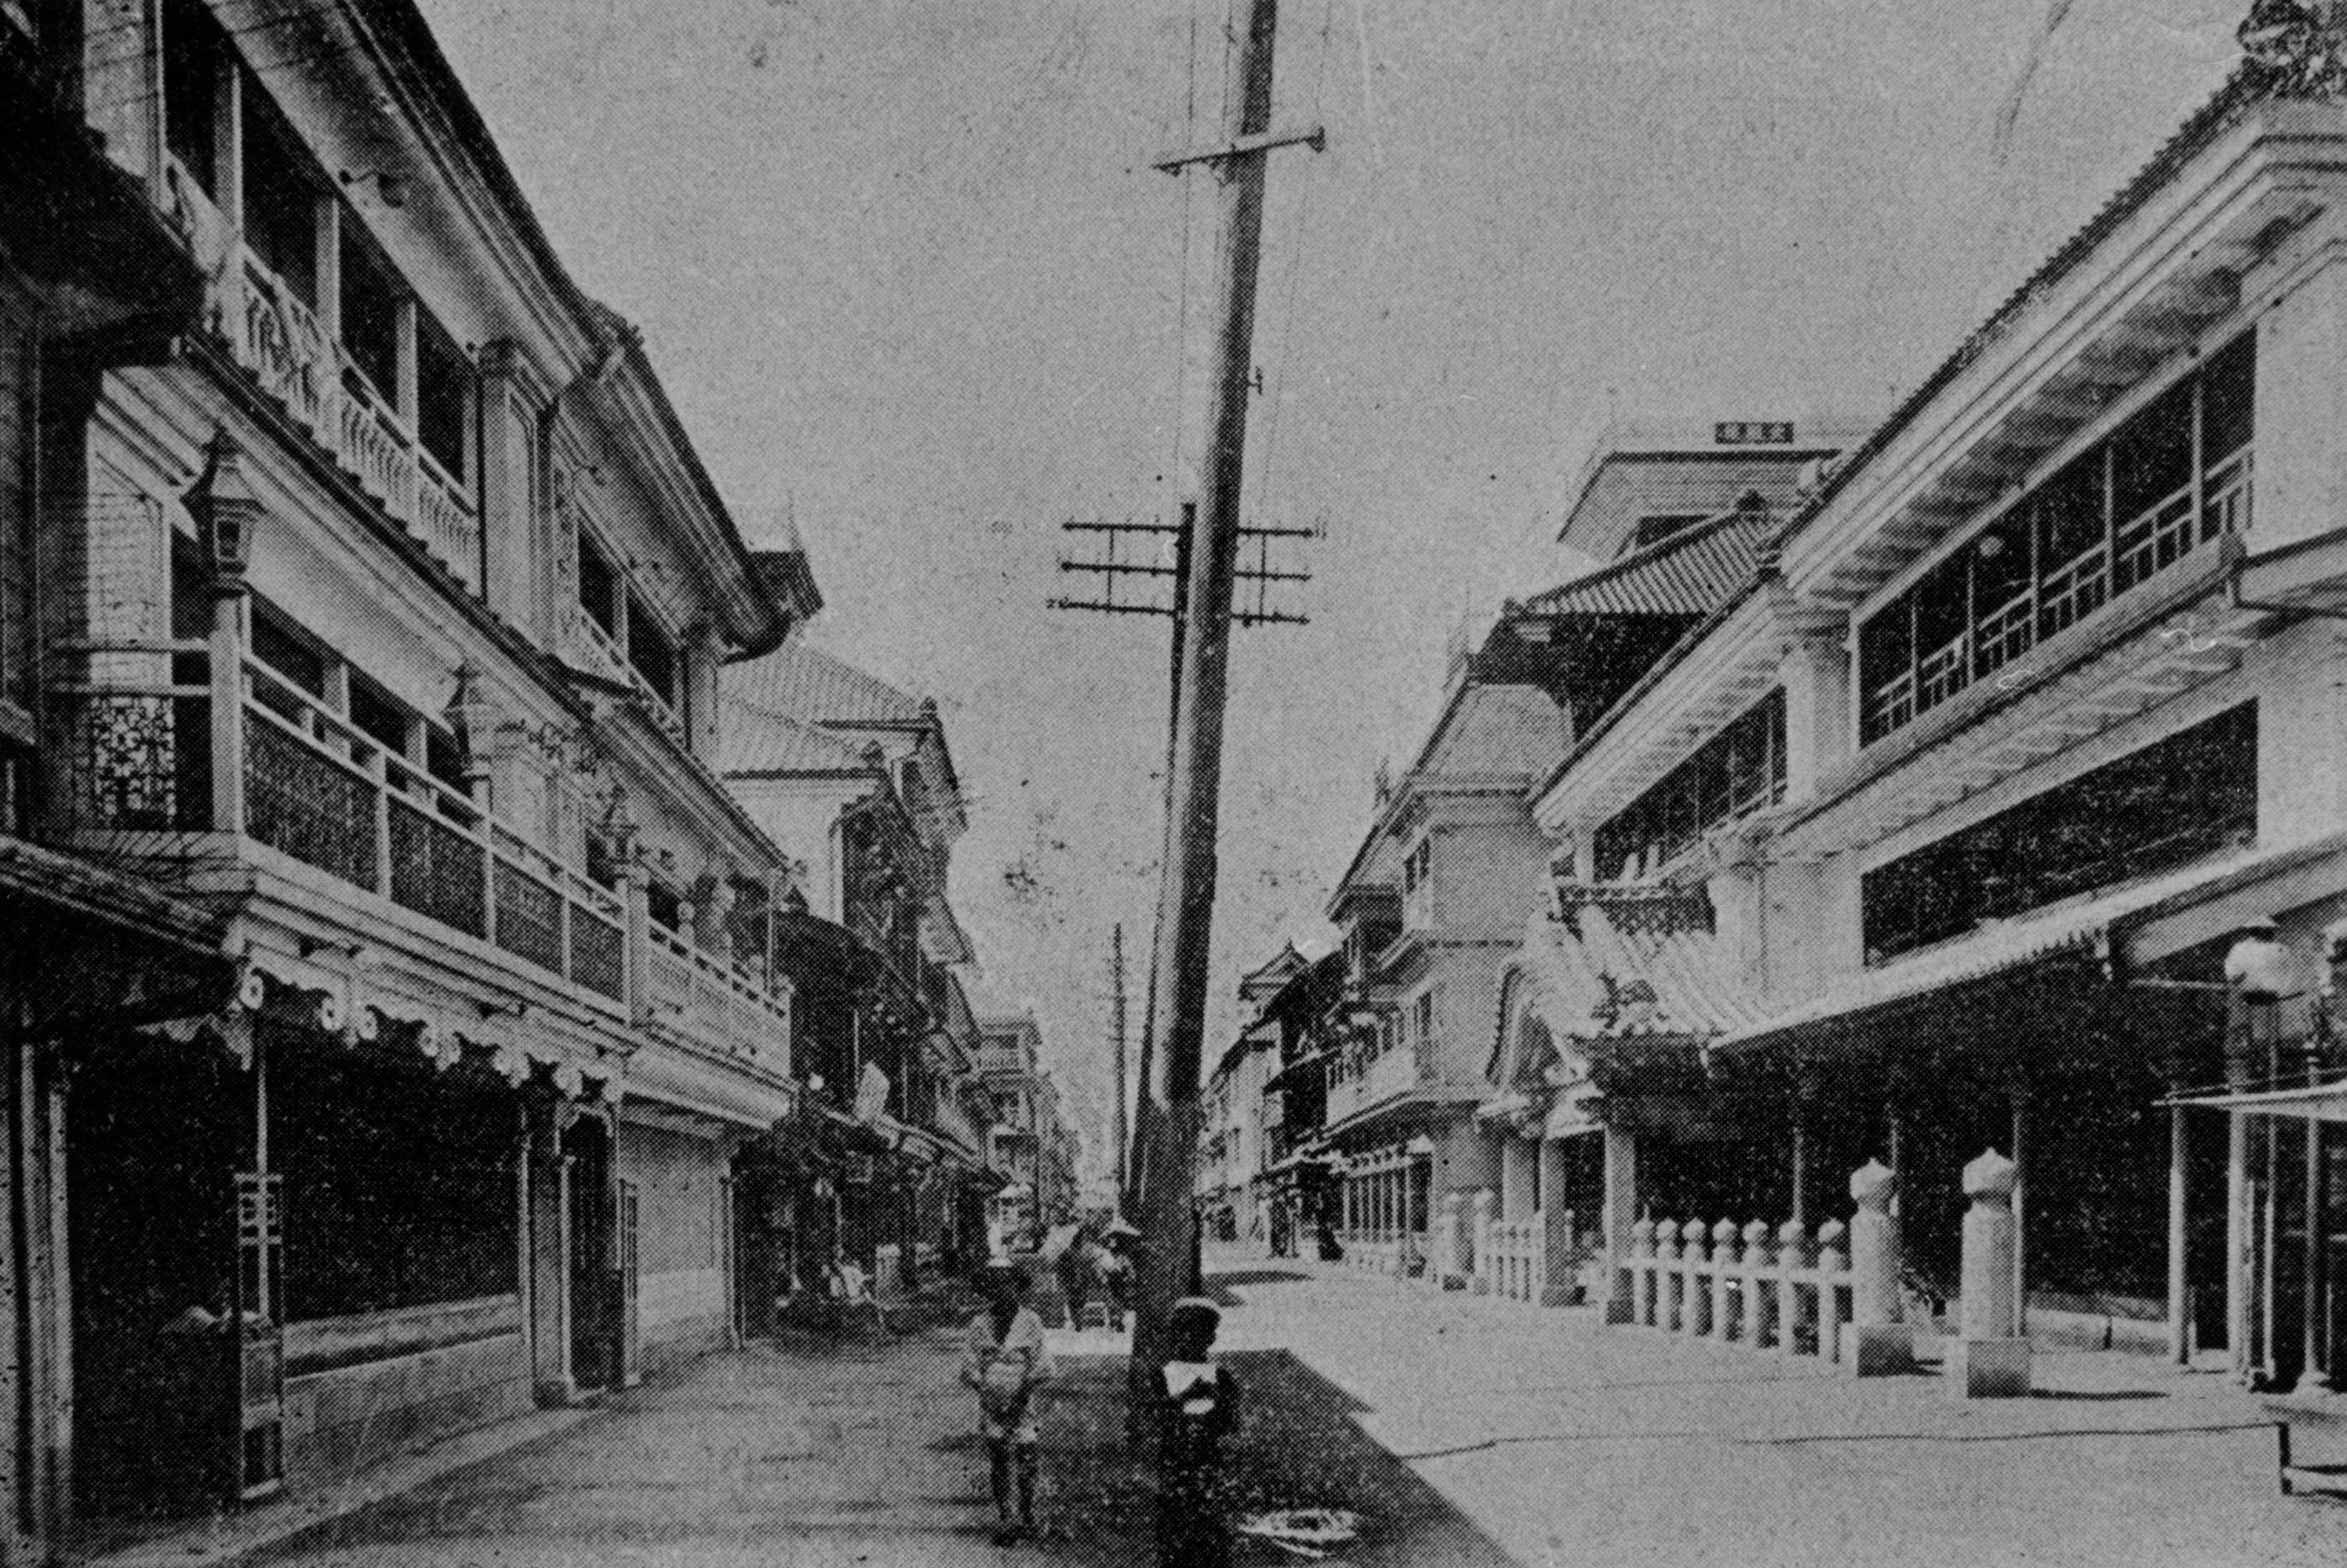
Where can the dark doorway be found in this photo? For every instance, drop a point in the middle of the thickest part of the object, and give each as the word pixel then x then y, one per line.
pixel 594 1278
pixel 155 1135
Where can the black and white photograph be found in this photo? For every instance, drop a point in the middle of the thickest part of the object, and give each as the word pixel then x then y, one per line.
pixel 1225 784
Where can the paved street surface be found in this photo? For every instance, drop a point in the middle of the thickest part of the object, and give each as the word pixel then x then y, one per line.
pixel 1569 1443
pixel 1521 1434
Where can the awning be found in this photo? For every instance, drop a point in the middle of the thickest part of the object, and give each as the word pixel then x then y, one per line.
pixel 2307 1103
pixel 1999 948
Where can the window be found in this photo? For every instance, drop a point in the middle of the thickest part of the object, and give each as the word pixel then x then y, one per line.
pixel 280 199
pixel 1418 864
pixel 370 314
pixel 653 654
pixel 1735 772
pixel 598 586
pixel 2173 476
pixel 443 397
pixel 193 52
pixel 2166 805
pixel 1423 1019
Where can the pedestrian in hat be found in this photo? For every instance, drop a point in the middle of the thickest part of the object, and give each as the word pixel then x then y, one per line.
pixel 1007 1362
pixel 1199 1408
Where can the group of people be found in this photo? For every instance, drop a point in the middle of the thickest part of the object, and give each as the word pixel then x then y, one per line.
pixel 1009 1362
pixel 1091 1266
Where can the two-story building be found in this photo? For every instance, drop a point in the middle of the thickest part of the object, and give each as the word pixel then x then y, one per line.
pixel 367 595
pixel 857 777
pixel 2054 662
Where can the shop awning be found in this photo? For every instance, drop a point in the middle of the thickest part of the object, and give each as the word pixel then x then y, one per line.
pixel 2306 1102
pixel 2071 930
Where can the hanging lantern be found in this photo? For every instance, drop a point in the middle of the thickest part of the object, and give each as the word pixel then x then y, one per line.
pixel 227 511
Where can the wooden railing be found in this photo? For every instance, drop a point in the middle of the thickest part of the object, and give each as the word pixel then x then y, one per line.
pixel 717 1001
pixel 133 767
pixel 273 334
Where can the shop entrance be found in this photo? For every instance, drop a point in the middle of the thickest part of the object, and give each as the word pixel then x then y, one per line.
pixel 156 1135
pixel 595 1294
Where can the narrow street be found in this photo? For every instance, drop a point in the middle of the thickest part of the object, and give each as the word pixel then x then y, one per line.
pixel 1463 1429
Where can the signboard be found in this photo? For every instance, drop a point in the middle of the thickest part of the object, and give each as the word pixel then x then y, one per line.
pixel 1753 433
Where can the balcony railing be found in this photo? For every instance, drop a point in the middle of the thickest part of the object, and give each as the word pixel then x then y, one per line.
pixel 288 350
pixel 134 749
pixel 722 1000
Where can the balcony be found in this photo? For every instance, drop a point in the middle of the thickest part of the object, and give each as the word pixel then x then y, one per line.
pixel 270 333
pixel 134 748
pixel 1387 1077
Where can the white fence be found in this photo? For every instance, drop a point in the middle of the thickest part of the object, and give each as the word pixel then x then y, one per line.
pixel 1770 1288
pixel 1514 1254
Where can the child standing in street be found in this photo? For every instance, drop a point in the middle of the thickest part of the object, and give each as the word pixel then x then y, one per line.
pixel 1007 1361
pixel 1201 1408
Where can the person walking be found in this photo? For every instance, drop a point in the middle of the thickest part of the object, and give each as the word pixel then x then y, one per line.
pixel 1007 1362
pixel 1199 1407
pixel 1076 1276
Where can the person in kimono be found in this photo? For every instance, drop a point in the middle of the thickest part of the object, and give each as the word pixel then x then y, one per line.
pixel 1007 1360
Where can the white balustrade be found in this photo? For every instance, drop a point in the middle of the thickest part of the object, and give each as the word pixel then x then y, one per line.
pixel 1750 1284
pixel 277 337
pixel 1518 1258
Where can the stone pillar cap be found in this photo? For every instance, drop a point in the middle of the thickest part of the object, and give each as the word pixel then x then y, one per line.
pixel 1872 1183
pixel 1991 1176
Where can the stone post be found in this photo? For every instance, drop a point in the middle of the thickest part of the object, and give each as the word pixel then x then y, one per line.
pixel 1833 1272
pixel 1792 1297
pixel 1453 1248
pixel 1725 1284
pixel 1694 1252
pixel 1486 1206
pixel 1760 1290
pixel 1879 1342
pixel 1671 1278
pixel 1989 1359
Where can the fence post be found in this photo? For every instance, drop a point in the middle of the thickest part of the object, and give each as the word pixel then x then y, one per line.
pixel 1760 1289
pixel 1486 1206
pixel 1989 1359
pixel 1695 1251
pixel 1793 1286
pixel 1726 1283
pixel 1834 1273
pixel 1879 1342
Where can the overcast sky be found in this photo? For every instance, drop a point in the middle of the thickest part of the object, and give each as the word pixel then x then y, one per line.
pixel 909 277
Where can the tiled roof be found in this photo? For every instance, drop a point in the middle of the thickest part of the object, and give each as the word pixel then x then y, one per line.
pixel 1634 962
pixel 757 739
pixel 820 688
pixel 1688 574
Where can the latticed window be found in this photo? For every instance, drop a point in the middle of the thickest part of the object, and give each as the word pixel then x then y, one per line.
pixel 2172 477
pixel 1735 772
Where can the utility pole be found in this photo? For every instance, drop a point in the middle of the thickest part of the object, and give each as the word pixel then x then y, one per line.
pixel 1167 1123
pixel 1117 994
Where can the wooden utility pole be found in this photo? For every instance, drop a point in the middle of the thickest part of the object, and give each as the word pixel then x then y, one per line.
pixel 1116 1114
pixel 1168 1114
